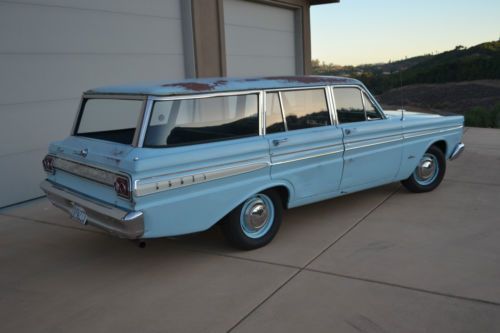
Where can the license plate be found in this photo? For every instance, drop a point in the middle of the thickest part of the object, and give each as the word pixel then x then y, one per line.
pixel 78 214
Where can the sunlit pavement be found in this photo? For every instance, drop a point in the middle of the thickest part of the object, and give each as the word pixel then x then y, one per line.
pixel 382 260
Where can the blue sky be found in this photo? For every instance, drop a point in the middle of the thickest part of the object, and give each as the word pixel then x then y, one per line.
pixel 355 32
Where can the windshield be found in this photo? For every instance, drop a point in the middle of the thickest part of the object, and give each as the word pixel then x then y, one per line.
pixel 109 119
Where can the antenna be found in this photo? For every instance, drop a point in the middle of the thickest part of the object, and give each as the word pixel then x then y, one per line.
pixel 401 95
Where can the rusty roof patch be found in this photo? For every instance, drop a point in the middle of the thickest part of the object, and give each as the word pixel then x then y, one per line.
pixel 209 85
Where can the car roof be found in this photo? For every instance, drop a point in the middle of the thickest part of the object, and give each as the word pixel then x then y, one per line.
pixel 215 85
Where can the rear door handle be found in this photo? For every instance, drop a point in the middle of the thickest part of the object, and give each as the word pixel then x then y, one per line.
pixel 349 131
pixel 277 142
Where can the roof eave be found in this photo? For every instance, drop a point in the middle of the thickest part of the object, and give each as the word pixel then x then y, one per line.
pixel 322 2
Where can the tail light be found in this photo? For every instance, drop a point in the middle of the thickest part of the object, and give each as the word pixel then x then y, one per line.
pixel 48 164
pixel 122 187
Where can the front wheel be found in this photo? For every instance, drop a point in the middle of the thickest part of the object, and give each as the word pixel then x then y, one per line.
pixel 255 222
pixel 429 172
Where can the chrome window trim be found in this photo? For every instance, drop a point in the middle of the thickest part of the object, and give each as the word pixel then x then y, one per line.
pixel 114 96
pixel 148 108
pixel 262 116
pixel 138 126
pixel 282 110
pixel 263 112
pixel 76 119
pixel 205 95
pixel 330 103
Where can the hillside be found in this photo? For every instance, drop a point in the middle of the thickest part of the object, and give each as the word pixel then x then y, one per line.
pixel 455 97
pixel 480 62
pixel 463 80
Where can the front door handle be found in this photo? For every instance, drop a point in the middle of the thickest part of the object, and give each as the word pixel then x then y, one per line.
pixel 277 142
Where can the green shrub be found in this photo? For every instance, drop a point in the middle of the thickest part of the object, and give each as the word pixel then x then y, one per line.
pixel 483 117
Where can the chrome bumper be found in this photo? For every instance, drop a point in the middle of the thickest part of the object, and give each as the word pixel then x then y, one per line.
pixel 116 221
pixel 457 151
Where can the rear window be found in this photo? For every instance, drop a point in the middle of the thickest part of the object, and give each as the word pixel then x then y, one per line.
pixel 109 119
pixel 201 120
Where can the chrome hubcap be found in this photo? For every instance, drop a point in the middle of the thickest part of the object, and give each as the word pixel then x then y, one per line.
pixel 257 216
pixel 427 170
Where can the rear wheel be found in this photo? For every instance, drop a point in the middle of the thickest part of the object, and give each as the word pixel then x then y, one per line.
pixel 429 172
pixel 255 222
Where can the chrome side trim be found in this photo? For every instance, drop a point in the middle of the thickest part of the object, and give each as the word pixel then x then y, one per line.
pixel 308 157
pixel 415 134
pixel 308 150
pixel 459 149
pixel 117 221
pixel 353 145
pixel 157 184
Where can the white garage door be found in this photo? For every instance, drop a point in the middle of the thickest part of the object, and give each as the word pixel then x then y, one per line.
pixel 52 50
pixel 260 39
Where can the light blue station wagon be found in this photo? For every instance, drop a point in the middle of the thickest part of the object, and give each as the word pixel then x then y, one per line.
pixel 174 158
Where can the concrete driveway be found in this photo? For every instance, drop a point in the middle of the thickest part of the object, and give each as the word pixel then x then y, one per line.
pixel 382 260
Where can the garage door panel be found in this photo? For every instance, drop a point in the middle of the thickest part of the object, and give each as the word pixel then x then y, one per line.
pixel 29 77
pixel 61 30
pixel 264 16
pixel 163 8
pixel 269 39
pixel 34 124
pixel 21 175
pixel 260 42
pixel 243 65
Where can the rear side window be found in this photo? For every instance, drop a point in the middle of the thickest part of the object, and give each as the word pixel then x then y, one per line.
pixel 349 105
pixel 201 120
pixel 274 116
pixel 305 108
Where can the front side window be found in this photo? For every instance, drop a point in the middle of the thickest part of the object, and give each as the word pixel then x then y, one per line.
pixel 371 111
pixel 349 105
pixel 109 119
pixel 305 108
pixel 201 120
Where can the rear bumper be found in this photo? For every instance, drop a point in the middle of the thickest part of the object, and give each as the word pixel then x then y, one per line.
pixel 457 151
pixel 116 221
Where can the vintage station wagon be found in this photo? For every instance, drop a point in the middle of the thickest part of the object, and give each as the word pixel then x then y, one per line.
pixel 174 158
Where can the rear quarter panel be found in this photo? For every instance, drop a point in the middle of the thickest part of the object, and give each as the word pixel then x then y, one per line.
pixel 197 206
